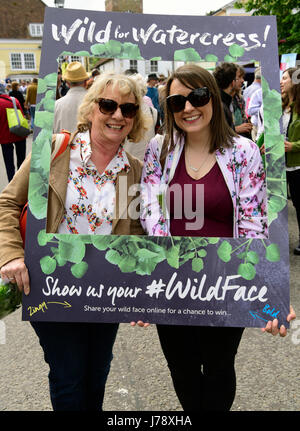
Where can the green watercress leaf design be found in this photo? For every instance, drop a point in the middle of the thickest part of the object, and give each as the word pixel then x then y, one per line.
pixel 48 264
pixel 224 251
pixel 247 271
pixel 187 54
pixel 43 238
pixel 197 264
pixel 79 269
pixel 72 251
pixel 273 253
pixel 236 50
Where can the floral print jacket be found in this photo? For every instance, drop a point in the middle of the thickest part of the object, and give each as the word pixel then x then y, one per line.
pixel 244 175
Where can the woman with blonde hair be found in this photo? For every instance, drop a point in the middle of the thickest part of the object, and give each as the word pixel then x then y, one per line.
pixel 84 191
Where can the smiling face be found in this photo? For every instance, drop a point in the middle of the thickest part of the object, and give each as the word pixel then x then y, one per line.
pixel 111 129
pixel 192 120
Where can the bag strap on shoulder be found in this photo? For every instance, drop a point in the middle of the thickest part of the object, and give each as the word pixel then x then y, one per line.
pixel 61 143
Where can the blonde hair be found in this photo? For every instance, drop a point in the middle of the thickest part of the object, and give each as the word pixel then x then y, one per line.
pixel 126 85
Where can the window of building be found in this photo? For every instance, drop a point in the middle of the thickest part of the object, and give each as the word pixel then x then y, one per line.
pixel 22 61
pixel 133 64
pixel 153 66
pixel 36 30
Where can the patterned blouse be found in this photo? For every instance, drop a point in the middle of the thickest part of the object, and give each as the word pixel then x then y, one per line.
pixel 90 197
pixel 242 169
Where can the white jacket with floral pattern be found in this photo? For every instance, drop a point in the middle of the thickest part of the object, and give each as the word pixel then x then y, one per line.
pixel 244 174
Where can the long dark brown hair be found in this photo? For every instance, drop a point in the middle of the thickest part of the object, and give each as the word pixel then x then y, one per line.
pixel 193 76
pixel 295 89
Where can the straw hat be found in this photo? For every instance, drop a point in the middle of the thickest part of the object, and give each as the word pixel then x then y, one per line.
pixel 75 72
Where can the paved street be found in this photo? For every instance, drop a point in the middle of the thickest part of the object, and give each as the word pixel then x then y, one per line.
pixel 268 374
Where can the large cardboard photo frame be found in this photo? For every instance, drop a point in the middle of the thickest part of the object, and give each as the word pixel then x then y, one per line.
pixel 208 281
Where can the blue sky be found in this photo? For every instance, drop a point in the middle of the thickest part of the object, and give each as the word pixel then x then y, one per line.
pixel 165 7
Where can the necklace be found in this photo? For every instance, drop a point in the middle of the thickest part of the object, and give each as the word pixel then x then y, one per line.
pixel 192 167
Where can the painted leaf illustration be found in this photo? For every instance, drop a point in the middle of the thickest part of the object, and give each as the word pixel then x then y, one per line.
pixel 127 264
pixel 79 269
pixel 101 242
pixel 252 257
pixel 72 251
pixel 113 257
pixel 211 57
pixel 247 271
pixel 42 86
pixel 224 251
pixel 197 264
pixel 143 253
pixel 236 50
pixel 48 264
pixel 98 49
pixel 130 50
pixel 38 205
pixel 44 237
pixel 173 256
pixel 44 120
pixel 188 54
pixel 51 79
pixel 273 253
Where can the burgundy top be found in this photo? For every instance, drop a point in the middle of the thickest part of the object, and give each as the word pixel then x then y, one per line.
pixel 211 201
pixel 6 137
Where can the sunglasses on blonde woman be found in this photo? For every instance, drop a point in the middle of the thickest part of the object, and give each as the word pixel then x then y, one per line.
pixel 198 97
pixel 109 106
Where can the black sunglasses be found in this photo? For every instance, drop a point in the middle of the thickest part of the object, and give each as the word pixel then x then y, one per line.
pixel 198 97
pixel 109 106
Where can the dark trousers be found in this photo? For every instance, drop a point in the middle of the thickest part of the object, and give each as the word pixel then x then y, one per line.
pixel 79 357
pixel 8 156
pixel 293 178
pixel 201 363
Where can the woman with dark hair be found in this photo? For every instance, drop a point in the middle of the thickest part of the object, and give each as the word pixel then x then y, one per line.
pixel 201 148
pixel 290 90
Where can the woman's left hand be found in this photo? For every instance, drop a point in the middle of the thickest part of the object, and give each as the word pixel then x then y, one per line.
pixel 140 323
pixel 272 326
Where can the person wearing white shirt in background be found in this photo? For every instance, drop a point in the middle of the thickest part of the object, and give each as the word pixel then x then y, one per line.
pixel 254 106
pixel 256 84
pixel 65 111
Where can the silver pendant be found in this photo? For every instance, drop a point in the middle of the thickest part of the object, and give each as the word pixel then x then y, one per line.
pixel 194 169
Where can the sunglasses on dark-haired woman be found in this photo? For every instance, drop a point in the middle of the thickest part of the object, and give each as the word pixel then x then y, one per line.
pixel 198 97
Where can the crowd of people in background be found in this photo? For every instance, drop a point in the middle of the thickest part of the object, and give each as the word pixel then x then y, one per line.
pixel 242 105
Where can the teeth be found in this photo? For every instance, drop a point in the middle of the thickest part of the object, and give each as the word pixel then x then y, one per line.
pixel 112 126
pixel 192 118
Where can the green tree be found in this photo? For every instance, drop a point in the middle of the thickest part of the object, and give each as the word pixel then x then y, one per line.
pixel 288 20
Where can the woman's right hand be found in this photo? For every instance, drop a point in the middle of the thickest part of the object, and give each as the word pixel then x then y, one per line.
pixel 16 271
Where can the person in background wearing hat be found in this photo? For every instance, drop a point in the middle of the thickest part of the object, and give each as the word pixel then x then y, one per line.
pixel 30 100
pixel 65 111
pixel 152 90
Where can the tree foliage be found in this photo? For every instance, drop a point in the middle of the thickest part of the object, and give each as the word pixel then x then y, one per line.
pixel 288 20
